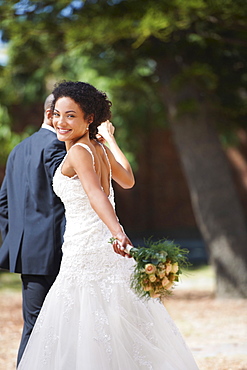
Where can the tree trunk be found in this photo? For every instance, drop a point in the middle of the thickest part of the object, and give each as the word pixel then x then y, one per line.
pixel 215 202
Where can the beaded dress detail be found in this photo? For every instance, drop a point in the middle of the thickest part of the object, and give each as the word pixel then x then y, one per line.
pixel 90 319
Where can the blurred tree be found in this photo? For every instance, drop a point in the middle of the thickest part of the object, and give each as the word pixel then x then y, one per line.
pixel 191 56
pixel 8 139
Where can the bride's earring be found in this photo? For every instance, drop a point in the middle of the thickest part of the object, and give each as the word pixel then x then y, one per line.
pixel 88 125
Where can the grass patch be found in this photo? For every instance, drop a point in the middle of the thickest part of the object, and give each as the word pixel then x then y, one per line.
pixel 198 275
pixel 198 271
pixel 10 281
pixel 201 277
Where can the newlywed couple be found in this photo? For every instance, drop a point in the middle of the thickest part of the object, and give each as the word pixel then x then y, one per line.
pixel 90 318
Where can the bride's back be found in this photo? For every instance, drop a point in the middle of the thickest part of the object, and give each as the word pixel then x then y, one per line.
pixel 102 166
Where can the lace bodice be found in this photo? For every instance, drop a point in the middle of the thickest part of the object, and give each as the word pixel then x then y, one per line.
pixel 86 239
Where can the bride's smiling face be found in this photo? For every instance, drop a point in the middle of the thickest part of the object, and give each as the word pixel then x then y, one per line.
pixel 69 121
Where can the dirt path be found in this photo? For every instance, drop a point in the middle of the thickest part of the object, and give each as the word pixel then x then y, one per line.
pixel 215 330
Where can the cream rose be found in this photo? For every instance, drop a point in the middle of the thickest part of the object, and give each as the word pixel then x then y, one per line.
pixel 168 268
pixel 152 278
pixel 162 266
pixel 165 281
pixel 174 267
pixel 162 274
pixel 150 268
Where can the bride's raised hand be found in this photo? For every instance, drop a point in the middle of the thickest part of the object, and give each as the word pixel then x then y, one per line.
pixel 105 131
pixel 120 244
pixel 121 169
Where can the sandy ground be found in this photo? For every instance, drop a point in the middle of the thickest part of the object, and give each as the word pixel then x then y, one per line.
pixel 215 330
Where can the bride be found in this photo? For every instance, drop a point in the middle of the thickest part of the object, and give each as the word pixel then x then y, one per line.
pixel 91 320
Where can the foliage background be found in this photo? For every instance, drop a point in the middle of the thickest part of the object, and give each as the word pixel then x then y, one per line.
pixel 165 65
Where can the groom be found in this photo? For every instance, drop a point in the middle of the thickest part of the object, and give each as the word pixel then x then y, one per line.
pixel 32 218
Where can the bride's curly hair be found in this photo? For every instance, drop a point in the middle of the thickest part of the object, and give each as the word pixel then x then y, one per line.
pixel 91 101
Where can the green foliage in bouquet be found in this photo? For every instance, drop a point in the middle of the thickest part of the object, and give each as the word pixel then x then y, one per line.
pixel 158 266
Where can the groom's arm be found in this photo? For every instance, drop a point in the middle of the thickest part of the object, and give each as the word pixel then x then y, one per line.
pixel 53 156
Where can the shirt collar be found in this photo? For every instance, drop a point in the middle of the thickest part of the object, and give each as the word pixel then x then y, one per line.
pixel 48 127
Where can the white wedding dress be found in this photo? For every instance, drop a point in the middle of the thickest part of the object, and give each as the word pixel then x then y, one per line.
pixel 90 319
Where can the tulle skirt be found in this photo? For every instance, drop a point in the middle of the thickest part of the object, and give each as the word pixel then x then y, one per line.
pixel 103 326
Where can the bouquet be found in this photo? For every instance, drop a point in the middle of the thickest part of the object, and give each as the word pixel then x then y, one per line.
pixel 157 269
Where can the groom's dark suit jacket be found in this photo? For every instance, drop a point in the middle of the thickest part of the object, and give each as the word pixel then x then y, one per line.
pixel 31 215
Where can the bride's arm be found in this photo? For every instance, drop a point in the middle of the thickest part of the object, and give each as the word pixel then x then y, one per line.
pixel 82 163
pixel 121 169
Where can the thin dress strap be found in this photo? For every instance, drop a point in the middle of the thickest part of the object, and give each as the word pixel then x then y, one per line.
pixel 107 159
pixel 89 150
